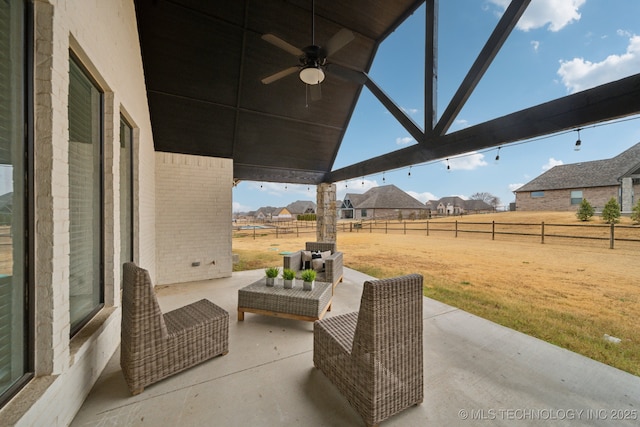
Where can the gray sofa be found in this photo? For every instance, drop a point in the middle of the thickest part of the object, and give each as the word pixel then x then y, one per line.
pixel 333 266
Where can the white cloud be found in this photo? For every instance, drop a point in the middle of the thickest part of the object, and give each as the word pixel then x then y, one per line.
pixel 514 187
pixel 237 207
pixel 579 74
pixel 410 111
pixel 551 163
pixel 357 186
pixel 623 33
pixel 462 123
pixel 423 197
pixel 535 44
pixel 405 140
pixel 469 161
pixel 553 14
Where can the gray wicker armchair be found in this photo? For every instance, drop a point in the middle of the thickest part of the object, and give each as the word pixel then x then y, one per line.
pixel 333 265
pixel 374 356
pixel 155 345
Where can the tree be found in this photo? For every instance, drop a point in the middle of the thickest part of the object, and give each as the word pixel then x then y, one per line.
pixel 635 214
pixel 585 211
pixel 488 198
pixel 611 211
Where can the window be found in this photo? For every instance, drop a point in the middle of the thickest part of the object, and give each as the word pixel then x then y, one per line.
pixel 85 197
pixel 363 213
pixel 576 197
pixel 126 192
pixel 14 326
pixel 535 194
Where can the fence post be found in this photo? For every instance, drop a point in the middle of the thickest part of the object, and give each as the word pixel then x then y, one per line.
pixel 405 227
pixel 456 228
pixel 386 227
pixel 427 227
pixel 254 232
pixel 493 230
pixel 277 231
pixel 370 227
pixel 611 238
pixel 297 231
pixel 542 233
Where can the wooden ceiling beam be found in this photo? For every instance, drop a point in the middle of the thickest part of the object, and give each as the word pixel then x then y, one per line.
pixel 610 101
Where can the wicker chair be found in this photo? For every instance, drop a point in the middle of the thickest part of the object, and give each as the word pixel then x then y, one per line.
pixel 374 356
pixel 155 345
pixel 333 265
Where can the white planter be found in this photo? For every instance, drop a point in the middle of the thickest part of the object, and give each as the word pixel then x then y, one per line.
pixel 270 281
pixel 288 284
pixel 308 286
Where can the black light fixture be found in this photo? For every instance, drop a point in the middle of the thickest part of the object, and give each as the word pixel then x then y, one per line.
pixel 383 180
pixel 498 155
pixel 578 142
pixel 409 174
pixel 448 166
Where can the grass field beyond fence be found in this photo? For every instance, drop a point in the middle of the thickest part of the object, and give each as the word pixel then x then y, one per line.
pixel 570 295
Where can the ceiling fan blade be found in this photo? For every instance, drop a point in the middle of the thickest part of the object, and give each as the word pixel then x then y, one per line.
pixel 315 92
pixel 278 42
pixel 280 74
pixel 338 41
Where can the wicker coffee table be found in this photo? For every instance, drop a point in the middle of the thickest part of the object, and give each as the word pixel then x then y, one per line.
pixel 288 303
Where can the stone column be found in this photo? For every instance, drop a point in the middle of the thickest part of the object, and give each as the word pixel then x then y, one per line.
pixel 627 195
pixel 326 213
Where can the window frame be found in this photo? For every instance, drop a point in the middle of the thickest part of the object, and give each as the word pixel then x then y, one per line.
pixel 28 302
pixel 575 200
pixel 73 330
pixel 537 194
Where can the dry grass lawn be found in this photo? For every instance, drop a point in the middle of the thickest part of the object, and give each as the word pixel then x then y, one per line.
pixel 566 294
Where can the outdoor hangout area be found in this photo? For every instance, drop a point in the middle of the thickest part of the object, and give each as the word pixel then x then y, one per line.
pixel 473 371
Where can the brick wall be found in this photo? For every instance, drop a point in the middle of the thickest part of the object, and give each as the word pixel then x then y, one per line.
pixel 193 217
pixel 103 35
pixel 560 200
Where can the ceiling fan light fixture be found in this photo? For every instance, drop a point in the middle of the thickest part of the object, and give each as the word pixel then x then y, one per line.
pixel 312 75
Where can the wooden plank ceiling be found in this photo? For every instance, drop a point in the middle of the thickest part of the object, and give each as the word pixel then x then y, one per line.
pixel 204 61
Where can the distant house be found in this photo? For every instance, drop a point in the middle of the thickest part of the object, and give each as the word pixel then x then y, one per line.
pixel 455 205
pixel 385 202
pixel 265 213
pixel 563 187
pixel 301 207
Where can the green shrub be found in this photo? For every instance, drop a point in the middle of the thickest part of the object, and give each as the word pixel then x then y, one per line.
pixel 611 211
pixel 288 274
pixel 585 211
pixel 308 275
pixel 635 213
pixel 272 272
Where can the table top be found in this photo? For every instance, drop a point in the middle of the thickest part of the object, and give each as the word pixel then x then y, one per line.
pixel 260 287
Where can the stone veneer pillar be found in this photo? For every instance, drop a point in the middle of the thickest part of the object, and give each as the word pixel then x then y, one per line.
pixel 326 213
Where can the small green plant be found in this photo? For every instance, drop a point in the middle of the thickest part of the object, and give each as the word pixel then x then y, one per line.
pixel 272 272
pixel 308 275
pixel 611 211
pixel 288 274
pixel 585 211
pixel 635 213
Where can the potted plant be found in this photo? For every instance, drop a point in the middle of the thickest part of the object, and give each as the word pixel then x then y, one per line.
pixel 271 273
pixel 309 278
pixel 289 277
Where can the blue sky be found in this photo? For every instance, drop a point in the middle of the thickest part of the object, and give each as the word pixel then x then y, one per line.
pixel 559 47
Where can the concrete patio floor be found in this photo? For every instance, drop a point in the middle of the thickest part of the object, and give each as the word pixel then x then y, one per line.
pixel 476 373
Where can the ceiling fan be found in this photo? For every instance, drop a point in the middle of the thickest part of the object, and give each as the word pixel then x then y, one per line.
pixel 312 59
